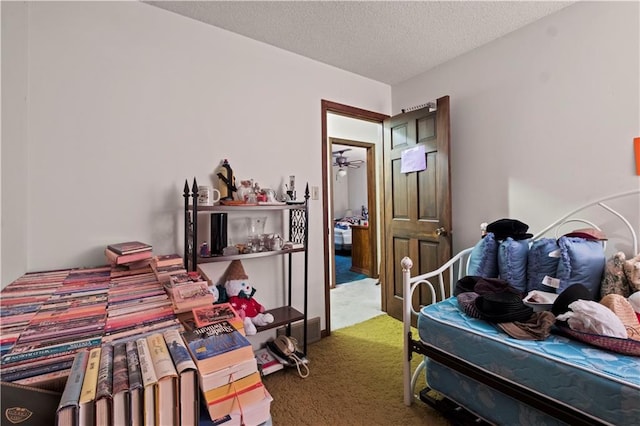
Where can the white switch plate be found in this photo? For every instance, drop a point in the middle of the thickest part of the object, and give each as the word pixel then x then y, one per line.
pixel 314 192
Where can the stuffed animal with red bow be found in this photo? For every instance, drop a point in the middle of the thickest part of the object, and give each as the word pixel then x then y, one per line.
pixel 240 295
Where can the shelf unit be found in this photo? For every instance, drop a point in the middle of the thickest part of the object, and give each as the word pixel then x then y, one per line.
pixel 298 234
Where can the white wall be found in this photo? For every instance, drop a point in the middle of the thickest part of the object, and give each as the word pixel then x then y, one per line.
pixel 349 191
pixel 358 180
pixel 340 199
pixel 126 101
pixel 15 182
pixel 543 119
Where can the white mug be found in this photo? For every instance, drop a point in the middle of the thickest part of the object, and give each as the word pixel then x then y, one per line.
pixel 208 196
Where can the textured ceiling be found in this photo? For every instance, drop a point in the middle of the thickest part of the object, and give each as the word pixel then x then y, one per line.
pixel 387 41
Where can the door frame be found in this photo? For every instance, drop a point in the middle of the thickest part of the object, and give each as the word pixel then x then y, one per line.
pixel 326 158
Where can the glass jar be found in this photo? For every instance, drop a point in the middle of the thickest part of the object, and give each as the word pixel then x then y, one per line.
pixel 255 231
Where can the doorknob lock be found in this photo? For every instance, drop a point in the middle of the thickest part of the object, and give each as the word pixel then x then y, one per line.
pixel 441 232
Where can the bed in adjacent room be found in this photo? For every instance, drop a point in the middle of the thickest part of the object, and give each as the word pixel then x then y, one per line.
pixel 342 236
pixel 505 380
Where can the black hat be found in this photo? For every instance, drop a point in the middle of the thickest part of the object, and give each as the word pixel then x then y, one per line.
pixel 494 285
pixel 569 295
pixel 465 284
pixel 466 301
pixel 502 307
pixel 513 228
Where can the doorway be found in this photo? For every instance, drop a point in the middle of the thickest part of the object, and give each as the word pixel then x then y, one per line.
pixel 373 173
pixel 351 190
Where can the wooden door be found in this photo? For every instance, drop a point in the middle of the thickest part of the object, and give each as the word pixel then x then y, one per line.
pixel 417 205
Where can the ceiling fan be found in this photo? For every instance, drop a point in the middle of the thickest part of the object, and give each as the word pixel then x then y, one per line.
pixel 342 161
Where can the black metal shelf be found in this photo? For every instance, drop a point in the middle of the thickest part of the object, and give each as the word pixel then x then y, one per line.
pixel 242 208
pixel 282 316
pixel 211 259
pixel 298 235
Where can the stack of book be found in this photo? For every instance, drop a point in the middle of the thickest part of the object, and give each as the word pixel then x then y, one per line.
pixel 138 305
pixel 20 301
pixel 231 385
pixel 129 255
pixel 187 291
pixel 144 380
pixel 167 265
pixel 72 317
pixel 48 317
pixel 127 270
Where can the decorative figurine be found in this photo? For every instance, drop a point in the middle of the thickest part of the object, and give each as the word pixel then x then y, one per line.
pixel 228 182
pixel 204 250
pixel 244 190
pixel 240 295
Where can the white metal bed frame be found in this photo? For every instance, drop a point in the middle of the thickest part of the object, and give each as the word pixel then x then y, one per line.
pixel 456 268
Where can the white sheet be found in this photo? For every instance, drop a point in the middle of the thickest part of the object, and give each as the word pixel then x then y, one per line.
pixel 342 238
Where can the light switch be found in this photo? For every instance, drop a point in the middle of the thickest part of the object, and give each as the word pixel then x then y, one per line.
pixel 315 192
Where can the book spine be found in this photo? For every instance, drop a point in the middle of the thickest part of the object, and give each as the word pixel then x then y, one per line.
pixel 53 350
pixel 128 334
pixel 104 384
pixel 43 369
pixel 233 389
pixel 146 364
pixel 71 393
pixel 133 365
pixel 120 369
pixel 22 366
pixel 162 362
pixel 135 383
pixel 55 333
pixel 56 341
pixel 132 309
pixel 178 350
pixel 88 392
pixel 149 381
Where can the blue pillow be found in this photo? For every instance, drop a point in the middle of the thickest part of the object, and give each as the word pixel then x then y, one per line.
pixel 512 262
pixel 540 264
pixel 483 261
pixel 582 261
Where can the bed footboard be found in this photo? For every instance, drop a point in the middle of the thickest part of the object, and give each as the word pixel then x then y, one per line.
pixel 455 267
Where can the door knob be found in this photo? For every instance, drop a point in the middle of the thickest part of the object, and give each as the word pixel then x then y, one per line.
pixel 441 232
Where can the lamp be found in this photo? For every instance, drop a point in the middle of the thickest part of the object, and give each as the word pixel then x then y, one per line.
pixel 341 173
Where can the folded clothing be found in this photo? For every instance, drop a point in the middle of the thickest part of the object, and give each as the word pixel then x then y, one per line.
pixel 537 327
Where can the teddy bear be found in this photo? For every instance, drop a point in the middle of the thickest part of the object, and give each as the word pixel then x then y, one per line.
pixel 239 293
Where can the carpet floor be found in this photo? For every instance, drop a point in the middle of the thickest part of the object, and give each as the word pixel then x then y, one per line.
pixel 344 274
pixel 356 379
pixel 355 302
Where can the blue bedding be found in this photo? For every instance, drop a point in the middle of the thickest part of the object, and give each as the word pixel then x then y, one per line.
pixel 602 384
